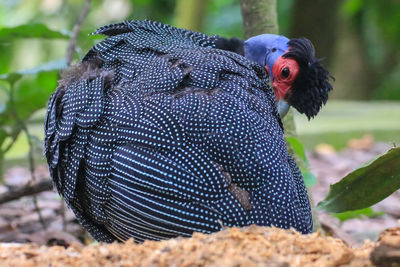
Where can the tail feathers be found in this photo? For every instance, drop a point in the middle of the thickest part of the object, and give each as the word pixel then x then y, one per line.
pixel 75 141
pixel 97 230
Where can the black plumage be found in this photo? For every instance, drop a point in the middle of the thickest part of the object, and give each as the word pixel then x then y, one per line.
pixel 158 134
pixel 311 87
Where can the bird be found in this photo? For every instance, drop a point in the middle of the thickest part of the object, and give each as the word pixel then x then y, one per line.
pixel 161 132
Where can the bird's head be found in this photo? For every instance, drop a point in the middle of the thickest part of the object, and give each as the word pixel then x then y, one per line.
pixel 298 77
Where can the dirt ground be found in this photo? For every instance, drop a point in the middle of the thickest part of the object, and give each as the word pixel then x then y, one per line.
pixel 251 246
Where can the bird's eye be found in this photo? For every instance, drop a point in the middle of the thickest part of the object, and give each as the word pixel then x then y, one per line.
pixel 273 49
pixel 285 72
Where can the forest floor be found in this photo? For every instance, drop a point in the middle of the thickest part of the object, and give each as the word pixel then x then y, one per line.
pixel 249 246
pixel 20 223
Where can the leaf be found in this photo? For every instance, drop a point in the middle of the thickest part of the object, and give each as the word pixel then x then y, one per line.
pixel 351 7
pixel 309 179
pixel 11 77
pixel 32 94
pixel 358 214
pixel 3 97
pixel 6 56
pixel 297 147
pixel 48 66
pixel 31 31
pixel 3 136
pixel 365 186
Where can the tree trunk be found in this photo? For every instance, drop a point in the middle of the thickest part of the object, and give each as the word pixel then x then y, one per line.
pixel 317 20
pixel 189 14
pixel 356 80
pixel 259 17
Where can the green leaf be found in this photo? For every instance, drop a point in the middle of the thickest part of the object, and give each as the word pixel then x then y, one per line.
pixel 358 214
pixel 31 31
pixel 3 136
pixel 49 66
pixel 11 77
pixel 365 186
pixel 3 97
pixel 32 94
pixel 6 56
pixel 351 7
pixel 309 179
pixel 297 147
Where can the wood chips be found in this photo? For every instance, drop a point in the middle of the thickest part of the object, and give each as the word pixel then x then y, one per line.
pixel 250 246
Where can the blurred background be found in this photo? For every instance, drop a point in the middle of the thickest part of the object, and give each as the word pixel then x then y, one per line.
pixel 358 39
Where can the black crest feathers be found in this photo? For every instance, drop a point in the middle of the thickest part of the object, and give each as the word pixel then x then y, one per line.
pixel 310 89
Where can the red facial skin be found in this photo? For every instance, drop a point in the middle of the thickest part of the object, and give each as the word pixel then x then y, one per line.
pixel 281 84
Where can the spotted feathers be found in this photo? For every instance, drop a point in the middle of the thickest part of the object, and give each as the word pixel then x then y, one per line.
pixel 141 137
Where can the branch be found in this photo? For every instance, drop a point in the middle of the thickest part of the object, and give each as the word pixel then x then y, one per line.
pixel 75 32
pixel 32 170
pixel 22 126
pixel 329 226
pixel 26 190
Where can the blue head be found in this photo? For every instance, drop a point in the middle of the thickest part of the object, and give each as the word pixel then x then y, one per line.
pixel 298 78
pixel 265 49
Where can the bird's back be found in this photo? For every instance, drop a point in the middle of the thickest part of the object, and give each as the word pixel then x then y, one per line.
pixel 159 134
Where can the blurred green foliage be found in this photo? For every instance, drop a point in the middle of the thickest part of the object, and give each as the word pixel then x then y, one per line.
pixel 358 214
pixel 378 24
pixel 298 148
pixel 24 92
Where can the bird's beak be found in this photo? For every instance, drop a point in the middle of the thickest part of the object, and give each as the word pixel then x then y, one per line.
pixel 283 108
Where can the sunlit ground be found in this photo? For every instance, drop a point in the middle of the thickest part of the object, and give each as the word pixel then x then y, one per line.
pixel 340 121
